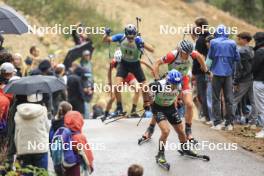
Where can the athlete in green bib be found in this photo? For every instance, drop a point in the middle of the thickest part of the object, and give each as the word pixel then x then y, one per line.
pixel 131 46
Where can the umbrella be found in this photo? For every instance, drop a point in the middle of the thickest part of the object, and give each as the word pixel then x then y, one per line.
pixel 35 84
pixel 11 22
pixel 76 52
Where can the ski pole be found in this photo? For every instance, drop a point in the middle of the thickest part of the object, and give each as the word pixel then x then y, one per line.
pixel 138 21
pixel 140 120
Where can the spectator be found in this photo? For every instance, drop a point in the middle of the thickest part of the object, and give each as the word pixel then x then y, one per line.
pixel 60 95
pixel 11 150
pixel 79 38
pixel 243 77
pixel 75 90
pixel 44 68
pixel 19 65
pixel 258 74
pixel 135 170
pixel 4 107
pixel 32 127
pixel 200 76
pixel 86 61
pixel 34 55
pixel 98 110
pixel 209 84
pixel 74 121
pixel 7 71
pixel 223 53
pixel 6 57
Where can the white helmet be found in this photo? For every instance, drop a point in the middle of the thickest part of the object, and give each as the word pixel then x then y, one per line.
pixel 118 55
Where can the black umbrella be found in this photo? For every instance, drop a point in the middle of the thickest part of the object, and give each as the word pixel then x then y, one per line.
pixel 76 52
pixel 35 84
pixel 11 22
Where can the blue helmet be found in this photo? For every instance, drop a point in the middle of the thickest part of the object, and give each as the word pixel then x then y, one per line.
pixel 130 29
pixel 174 77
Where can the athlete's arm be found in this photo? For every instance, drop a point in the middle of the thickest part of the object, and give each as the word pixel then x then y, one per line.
pixel 109 74
pixel 148 47
pixel 156 68
pixel 113 38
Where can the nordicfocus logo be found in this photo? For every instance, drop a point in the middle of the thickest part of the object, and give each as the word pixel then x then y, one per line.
pixel 203 145
pixel 191 29
pixel 65 146
pixel 66 30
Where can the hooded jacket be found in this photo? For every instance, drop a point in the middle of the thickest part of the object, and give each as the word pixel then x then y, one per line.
pixel 32 129
pixel 223 52
pixel 74 121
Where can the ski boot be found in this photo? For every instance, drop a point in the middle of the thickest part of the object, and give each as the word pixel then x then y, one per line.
pixel 147 136
pixel 186 151
pixel 188 132
pixel 105 116
pixel 161 161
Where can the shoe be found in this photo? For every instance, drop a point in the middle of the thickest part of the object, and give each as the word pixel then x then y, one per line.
pixel 260 134
pixel 218 127
pixel 229 128
pixel 209 123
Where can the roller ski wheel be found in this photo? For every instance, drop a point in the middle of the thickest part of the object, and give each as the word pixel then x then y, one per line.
pixel 160 160
pixel 143 139
pixel 194 155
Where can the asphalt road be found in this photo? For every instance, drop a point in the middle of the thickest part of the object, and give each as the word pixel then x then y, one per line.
pixel 115 148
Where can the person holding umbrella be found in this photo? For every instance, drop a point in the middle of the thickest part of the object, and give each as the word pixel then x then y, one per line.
pixel 32 128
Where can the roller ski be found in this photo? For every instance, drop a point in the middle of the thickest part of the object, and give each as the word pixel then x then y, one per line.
pixel 115 117
pixel 191 154
pixel 161 161
pixel 147 136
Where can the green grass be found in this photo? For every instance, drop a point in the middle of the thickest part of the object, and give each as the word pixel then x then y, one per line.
pixel 65 12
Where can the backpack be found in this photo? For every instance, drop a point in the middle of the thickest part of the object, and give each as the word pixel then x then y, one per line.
pixel 62 153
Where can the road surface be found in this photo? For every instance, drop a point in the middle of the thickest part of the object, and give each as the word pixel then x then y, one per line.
pixel 115 148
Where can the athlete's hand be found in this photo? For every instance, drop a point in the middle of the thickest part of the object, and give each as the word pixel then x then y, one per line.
pixel 108 31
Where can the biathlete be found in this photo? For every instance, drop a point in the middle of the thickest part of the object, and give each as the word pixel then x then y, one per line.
pixel 165 93
pixel 181 60
pixel 131 46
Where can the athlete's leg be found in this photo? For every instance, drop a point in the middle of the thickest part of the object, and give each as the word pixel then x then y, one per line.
pixel 187 99
pixel 165 131
pixel 136 96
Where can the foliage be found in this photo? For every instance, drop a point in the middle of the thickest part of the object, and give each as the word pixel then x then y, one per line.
pixel 65 12
pixel 5 169
pixel 250 10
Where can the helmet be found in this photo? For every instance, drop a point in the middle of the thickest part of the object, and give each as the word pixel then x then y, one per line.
pixel 130 29
pixel 186 46
pixel 118 55
pixel 174 77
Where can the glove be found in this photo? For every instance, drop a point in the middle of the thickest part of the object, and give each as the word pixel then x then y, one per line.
pixel 139 42
pixel 148 114
pixel 108 31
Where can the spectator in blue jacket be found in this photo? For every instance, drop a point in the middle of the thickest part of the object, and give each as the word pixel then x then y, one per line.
pixel 224 53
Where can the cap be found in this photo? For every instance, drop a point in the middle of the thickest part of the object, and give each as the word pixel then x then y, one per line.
pixel 7 68
pixel 36 97
pixel 86 52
